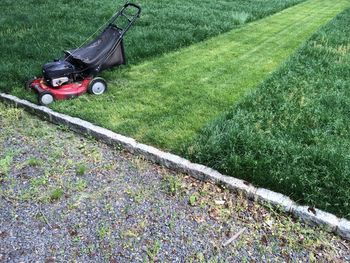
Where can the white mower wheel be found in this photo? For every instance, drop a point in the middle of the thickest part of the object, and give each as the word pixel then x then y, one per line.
pixel 45 98
pixel 97 86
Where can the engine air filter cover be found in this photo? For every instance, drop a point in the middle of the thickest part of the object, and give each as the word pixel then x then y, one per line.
pixel 57 70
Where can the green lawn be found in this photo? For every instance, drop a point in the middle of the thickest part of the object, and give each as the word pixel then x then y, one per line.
pixel 33 32
pixel 292 134
pixel 166 100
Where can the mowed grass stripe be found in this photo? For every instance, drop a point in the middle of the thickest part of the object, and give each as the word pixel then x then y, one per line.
pixel 291 134
pixel 166 100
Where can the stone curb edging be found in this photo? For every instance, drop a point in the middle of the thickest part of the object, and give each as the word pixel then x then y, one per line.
pixel 328 221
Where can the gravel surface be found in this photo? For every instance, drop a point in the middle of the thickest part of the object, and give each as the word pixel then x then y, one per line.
pixel 68 198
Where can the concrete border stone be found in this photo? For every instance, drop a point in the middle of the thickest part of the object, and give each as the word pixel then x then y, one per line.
pixel 343 229
pixel 314 216
pixel 309 215
pixel 279 200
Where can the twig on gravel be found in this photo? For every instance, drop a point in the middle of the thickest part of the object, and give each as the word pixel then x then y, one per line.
pixel 234 237
pixel 45 218
pixel 344 245
pixel 10 199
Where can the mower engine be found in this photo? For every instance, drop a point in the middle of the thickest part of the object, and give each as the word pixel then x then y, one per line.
pixel 58 73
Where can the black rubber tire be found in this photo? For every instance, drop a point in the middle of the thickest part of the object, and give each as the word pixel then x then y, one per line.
pixel 101 86
pixel 45 99
pixel 28 82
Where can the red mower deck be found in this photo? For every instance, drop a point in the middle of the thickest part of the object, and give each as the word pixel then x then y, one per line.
pixel 63 92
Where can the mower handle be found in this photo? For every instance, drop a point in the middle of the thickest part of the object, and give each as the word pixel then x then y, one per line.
pixel 135 6
pixel 131 18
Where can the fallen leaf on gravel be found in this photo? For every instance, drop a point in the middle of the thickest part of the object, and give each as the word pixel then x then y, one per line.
pixel 50 260
pixel 301 239
pixel 73 232
pixel 283 241
pixel 214 213
pixel 3 234
pixel 219 202
pixel 270 222
pixel 311 210
pixel 198 219
pixel 264 240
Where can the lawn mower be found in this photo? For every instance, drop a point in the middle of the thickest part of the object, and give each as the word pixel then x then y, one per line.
pixel 76 72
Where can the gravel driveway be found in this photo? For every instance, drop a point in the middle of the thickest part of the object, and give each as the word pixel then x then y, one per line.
pixel 68 198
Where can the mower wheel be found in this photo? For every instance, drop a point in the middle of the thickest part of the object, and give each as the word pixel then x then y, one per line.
pixel 28 83
pixel 45 98
pixel 97 86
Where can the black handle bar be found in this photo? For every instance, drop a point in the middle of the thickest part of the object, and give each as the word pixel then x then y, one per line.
pixel 135 6
pixel 131 19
